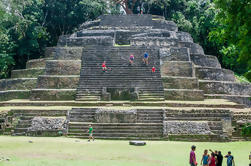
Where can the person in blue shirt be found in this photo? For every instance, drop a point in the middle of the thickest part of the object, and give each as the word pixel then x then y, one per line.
pixel 230 159
pixel 205 158
pixel 145 59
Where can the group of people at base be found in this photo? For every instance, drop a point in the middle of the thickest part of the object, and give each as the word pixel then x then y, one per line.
pixel 215 159
pixel 131 62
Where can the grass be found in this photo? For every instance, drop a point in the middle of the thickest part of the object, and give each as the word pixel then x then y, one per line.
pixel 62 151
pixel 241 79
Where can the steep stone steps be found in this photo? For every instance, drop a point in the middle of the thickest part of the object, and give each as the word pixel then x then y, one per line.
pixel 25 117
pixel 27 73
pixel 117 130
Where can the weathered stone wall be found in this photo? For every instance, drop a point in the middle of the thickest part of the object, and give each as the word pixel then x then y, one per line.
pixel 174 54
pixel 205 60
pixel 68 53
pixel 47 126
pixel 126 20
pixel 17 84
pixel 115 116
pixel 63 67
pixel 187 127
pixel 176 68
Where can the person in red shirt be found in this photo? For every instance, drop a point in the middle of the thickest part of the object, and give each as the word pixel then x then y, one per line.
pixel 212 161
pixel 153 69
pixel 104 68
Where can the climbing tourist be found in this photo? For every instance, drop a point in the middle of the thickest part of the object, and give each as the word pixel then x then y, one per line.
pixel 205 158
pixel 219 159
pixel 250 159
pixel 145 59
pixel 212 161
pixel 192 158
pixel 104 68
pixel 131 59
pixel 90 131
pixel 230 159
pixel 153 69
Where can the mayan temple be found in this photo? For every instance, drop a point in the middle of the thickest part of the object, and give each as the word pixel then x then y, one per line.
pixel 188 97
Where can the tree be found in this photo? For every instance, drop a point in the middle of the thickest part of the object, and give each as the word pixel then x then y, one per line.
pixel 233 33
pixel 28 26
pixel 127 5
pixel 6 45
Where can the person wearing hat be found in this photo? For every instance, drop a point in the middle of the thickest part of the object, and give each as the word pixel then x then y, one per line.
pixel 192 160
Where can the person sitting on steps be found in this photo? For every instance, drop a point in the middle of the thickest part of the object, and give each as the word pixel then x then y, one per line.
pixel 145 59
pixel 104 68
pixel 153 69
pixel 131 59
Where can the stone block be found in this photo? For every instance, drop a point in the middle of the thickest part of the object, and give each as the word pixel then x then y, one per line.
pixel 53 94
pixel 89 24
pixel 170 82
pixel 217 74
pixel 126 20
pixel 62 41
pixel 187 127
pixel 46 124
pixel 68 53
pixel 174 54
pixel 18 84
pixel 184 36
pixel 27 73
pixel 36 63
pixel 154 42
pixel 184 94
pixel 14 94
pixel 58 82
pixel 177 68
pixel 115 116
pixel 63 67
pixel 193 47
pixel 85 33
pixel 164 24
pixel 222 87
pixel 49 52
pixel 86 41
pixel 205 60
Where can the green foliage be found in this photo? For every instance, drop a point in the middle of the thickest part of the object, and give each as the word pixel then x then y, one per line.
pixel 6 46
pixel 233 34
pixel 246 130
pixel 241 79
pixel 28 26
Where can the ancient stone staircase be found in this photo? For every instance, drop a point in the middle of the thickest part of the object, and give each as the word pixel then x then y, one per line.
pixel 214 118
pixel 120 75
pixel 23 118
pixel 148 125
